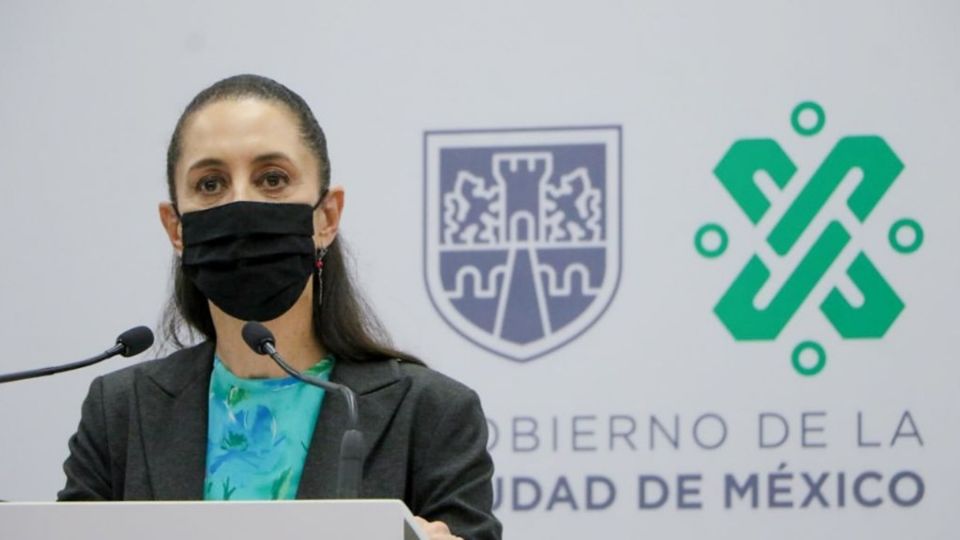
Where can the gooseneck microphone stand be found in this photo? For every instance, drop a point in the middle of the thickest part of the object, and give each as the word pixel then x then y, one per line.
pixel 130 343
pixel 350 468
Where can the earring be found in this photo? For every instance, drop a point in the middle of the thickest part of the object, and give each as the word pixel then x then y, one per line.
pixel 321 253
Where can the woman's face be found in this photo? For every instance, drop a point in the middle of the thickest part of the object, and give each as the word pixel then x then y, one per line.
pixel 244 150
pixel 247 150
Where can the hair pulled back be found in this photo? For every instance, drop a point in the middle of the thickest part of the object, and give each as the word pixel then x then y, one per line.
pixel 345 325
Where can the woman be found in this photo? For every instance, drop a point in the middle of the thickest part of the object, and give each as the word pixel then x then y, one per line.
pixel 254 222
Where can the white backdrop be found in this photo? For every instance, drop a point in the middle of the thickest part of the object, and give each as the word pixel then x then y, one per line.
pixel 89 93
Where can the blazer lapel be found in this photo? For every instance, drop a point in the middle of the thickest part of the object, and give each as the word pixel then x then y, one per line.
pixel 173 405
pixel 379 390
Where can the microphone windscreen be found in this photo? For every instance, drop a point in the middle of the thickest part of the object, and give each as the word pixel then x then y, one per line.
pixel 257 335
pixel 135 340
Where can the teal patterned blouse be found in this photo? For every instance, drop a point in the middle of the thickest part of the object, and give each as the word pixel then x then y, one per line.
pixel 258 433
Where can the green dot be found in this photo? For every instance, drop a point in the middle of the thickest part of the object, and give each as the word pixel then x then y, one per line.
pixel 817 367
pixel 909 247
pixel 811 130
pixel 705 232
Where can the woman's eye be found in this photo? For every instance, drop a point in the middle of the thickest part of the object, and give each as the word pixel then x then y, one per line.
pixel 209 184
pixel 274 180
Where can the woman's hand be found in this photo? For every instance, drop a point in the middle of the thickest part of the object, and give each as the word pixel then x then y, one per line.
pixel 436 530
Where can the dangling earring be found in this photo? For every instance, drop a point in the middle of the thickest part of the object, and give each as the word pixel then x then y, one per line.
pixel 321 253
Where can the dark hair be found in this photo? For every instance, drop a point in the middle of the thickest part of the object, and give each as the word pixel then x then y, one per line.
pixel 345 325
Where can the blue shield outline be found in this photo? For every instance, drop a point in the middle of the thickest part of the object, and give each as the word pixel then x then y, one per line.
pixel 522 238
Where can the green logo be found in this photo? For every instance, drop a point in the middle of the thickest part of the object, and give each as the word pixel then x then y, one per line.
pixel 866 156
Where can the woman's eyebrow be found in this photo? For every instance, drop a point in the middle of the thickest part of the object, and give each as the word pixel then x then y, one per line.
pixel 207 162
pixel 215 162
pixel 273 156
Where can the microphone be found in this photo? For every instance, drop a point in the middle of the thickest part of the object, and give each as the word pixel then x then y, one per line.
pixel 130 343
pixel 350 470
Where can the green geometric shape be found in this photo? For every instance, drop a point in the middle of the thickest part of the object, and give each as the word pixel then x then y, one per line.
pixel 881 305
pixel 742 161
pixel 703 231
pixel 917 236
pixel 880 166
pixel 817 126
pixel 737 170
pixel 815 368
pixel 736 309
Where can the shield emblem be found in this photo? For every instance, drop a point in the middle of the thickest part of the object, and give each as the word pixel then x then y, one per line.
pixel 522 233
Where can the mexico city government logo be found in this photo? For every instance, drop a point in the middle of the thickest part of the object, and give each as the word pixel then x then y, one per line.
pixel 522 233
pixel 866 161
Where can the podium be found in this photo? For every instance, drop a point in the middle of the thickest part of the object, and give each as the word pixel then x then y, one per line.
pixel 364 519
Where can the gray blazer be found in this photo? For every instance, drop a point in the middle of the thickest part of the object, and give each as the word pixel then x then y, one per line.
pixel 143 436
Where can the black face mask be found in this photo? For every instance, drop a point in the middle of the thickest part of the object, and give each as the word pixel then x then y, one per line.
pixel 251 259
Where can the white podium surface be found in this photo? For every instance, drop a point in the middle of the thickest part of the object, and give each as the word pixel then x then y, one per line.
pixel 340 520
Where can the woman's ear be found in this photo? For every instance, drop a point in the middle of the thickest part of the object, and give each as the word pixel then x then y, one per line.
pixel 326 218
pixel 171 224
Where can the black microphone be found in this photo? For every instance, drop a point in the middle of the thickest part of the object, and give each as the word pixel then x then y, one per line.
pixel 130 343
pixel 350 471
